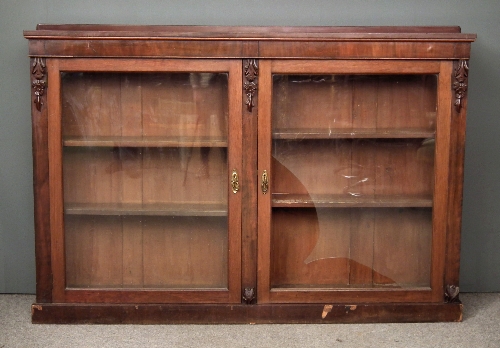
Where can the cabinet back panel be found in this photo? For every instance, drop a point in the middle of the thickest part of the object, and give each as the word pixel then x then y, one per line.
pixel 146 252
pixel 351 247
pixel 331 102
pixel 145 176
pixel 148 104
pixel 353 167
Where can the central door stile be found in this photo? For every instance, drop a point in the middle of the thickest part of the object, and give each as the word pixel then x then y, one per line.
pixel 248 178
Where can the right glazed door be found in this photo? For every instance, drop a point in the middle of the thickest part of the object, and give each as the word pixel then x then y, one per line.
pixel 353 164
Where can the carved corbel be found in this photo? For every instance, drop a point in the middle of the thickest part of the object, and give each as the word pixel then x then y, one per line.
pixel 451 294
pixel 39 81
pixel 248 295
pixel 251 70
pixel 461 83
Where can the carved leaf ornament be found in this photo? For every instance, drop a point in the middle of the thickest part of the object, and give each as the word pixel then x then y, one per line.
pixel 461 83
pixel 251 68
pixel 39 84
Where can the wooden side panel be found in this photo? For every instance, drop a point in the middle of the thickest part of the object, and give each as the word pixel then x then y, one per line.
pixel 39 119
pixel 55 159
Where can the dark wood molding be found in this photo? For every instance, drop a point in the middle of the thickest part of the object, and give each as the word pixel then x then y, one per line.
pixel 251 69
pixel 199 32
pixel 39 81
pixel 266 42
pixel 460 84
pixel 244 314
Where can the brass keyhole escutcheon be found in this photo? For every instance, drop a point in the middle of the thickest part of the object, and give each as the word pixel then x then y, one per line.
pixel 265 182
pixel 235 182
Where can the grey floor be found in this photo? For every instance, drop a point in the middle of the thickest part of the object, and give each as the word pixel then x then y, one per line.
pixel 480 328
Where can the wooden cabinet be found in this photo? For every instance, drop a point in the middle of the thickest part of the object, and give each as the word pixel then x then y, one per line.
pixel 247 174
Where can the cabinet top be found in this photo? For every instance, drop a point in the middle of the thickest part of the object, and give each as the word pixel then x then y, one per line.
pixel 383 42
pixel 86 31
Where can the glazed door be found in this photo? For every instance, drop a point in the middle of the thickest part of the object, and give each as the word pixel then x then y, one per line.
pixel 144 173
pixel 353 163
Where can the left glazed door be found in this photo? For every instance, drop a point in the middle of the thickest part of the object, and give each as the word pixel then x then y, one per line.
pixel 144 163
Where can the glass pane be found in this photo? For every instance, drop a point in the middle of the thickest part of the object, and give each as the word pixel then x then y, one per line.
pixel 353 169
pixel 145 179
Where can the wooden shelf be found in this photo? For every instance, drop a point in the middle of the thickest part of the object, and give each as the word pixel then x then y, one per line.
pixel 284 200
pixel 352 133
pixel 145 141
pixel 152 209
pixel 365 287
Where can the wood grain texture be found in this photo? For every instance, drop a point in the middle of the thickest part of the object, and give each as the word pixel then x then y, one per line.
pixel 454 224
pixel 441 182
pixel 239 32
pixel 55 179
pixel 264 163
pixel 243 314
pixel 235 200
pixel 40 135
pixel 249 191
pixel 273 42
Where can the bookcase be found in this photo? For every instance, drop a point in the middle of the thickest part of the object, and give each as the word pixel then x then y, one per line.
pixel 189 174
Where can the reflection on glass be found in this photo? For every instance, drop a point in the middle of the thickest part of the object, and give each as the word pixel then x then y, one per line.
pixel 353 168
pixel 145 173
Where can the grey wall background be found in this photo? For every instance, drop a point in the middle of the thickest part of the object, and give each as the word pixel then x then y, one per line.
pixel 480 269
